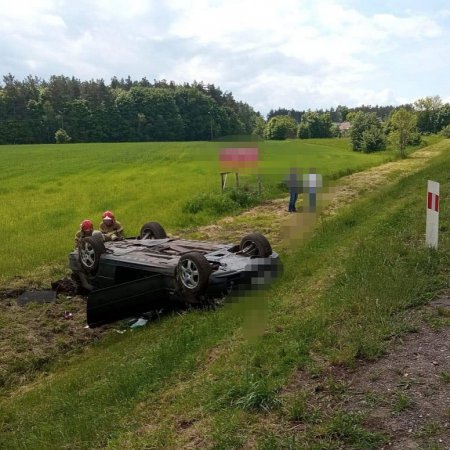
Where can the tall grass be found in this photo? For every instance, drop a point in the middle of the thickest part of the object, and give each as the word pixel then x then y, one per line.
pixel 365 266
pixel 87 398
pixel 46 190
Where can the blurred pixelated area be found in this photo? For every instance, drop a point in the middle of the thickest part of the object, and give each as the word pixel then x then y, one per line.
pixel 238 158
pixel 307 189
pixel 307 193
pixel 261 272
pixel 241 153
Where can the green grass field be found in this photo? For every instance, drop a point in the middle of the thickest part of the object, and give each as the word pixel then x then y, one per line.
pixel 202 379
pixel 45 191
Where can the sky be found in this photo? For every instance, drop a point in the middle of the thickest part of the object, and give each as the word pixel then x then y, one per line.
pixel 296 54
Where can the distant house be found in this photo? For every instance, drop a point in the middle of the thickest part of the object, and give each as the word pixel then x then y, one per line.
pixel 344 127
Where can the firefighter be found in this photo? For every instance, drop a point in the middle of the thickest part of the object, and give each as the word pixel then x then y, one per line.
pixel 112 229
pixel 86 229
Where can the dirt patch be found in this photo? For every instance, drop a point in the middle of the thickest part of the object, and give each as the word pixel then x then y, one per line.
pixel 33 335
pixel 412 398
pixel 404 395
pixel 11 293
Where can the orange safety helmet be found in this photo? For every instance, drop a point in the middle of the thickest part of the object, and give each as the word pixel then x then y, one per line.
pixel 108 215
pixel 86 225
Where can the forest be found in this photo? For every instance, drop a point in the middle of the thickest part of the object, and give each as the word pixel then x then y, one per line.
pixel 33 110
pixel 64 109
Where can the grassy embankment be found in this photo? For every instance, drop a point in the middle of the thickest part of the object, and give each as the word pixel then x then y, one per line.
pixel 46 191
pixel 32 338
pixel 204 379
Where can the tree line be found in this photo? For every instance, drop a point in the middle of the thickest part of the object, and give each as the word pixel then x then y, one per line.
pixel 432 114
pixel 68 109
pixel 65 109
pixel 370 128
pixel 338 114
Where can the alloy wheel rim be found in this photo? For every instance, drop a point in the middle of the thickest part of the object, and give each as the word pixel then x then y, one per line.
pixel 88 255
pixel 190 275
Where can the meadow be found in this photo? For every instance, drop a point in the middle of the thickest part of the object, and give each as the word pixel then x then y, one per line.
pixel 46 190
pixel 202 380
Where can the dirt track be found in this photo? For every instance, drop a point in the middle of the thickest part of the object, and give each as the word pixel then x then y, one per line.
pixel 406 394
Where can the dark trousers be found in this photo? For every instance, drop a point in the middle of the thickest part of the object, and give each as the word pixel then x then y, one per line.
pixel 292 200
pixel 312 199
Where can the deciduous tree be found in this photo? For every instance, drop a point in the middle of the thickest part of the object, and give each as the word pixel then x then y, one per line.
pixel 403 125
pixel 428 114
pixel 61 137
pixel 366 133
pixel 280 128
pixel 315 125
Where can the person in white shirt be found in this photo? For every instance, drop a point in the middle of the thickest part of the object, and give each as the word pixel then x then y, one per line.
pixel 311 182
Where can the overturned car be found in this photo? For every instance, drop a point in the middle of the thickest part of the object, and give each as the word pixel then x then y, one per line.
pixel 134 275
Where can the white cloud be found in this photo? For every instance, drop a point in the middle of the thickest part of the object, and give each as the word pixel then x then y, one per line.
pixel 21 8
pixel 327 36
pixel 416 27
pixel 444 13
pixel 329 49
pixel 293 53
pixel 195 68
pixel 122 11
pixel 53 21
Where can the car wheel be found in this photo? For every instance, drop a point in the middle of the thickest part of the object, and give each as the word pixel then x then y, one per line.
pixel 255 244
pixel 89 252
pixel 152 230
pixel 100 238
pixel 193 272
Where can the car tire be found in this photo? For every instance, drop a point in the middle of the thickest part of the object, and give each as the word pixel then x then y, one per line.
pixel 192 275
pixel 100 238
pixel 89 251
pixel 152 230
pixel 255 244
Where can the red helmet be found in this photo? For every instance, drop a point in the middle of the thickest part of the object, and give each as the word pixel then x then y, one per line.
pixel 87 225
pixel 108 214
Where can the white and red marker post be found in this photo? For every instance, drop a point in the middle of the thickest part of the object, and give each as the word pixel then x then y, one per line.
pixel 432 229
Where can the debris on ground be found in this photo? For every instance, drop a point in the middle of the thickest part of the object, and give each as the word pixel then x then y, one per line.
pixel 11 293
pixel 64 286
pixel 139 323
pixel 42 296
